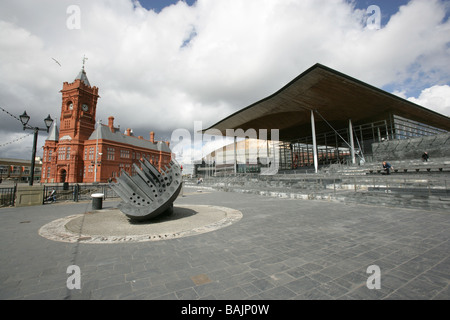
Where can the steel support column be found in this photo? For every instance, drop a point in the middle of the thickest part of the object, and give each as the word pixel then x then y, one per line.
pixel 352 143
pixel 313 127
pixel 235 155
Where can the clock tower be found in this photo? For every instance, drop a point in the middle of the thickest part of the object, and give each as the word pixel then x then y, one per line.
pixel 79 106
pixel 77 122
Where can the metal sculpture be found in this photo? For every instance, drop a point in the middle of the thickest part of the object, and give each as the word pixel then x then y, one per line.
pixel 149 193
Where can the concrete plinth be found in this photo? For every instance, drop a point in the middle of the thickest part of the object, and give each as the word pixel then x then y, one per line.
pixel 29 196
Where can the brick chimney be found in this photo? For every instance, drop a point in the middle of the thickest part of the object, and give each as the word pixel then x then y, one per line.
pixel 128 132
pixel 152 137
pixel 111 124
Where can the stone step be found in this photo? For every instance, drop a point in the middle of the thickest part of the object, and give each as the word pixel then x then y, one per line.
pixel 439 164
pixel 390 197
pixel 391 200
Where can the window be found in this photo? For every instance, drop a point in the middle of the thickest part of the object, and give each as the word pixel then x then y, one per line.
pixel 111 153
pixel 50 155
pixel 48 172
pixel 91 153
pixel 68 153
pixel 62 153
pixel 125 154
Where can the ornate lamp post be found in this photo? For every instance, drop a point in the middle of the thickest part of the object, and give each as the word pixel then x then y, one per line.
pixel 24 118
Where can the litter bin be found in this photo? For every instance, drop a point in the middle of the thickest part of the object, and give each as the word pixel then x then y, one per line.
pixel 97 201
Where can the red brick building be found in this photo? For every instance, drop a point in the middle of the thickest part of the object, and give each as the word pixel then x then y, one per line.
pixel 70 152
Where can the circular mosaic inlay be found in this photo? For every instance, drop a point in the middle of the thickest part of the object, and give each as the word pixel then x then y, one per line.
pixel 112 226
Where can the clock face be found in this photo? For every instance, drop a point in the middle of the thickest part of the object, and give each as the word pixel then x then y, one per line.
pixel 85 107
pixel 71 106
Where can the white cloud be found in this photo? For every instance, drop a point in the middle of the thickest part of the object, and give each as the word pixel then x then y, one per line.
pixel 18 145
pixel 159 72
pixel 436 98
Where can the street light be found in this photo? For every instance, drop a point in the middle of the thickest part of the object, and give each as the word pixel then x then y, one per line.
pixel 24 118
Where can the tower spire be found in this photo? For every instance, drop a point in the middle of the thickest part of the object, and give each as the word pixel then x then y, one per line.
pixel 82 75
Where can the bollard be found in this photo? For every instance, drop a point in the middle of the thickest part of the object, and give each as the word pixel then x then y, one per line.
pixel 97 201
pixel 76 190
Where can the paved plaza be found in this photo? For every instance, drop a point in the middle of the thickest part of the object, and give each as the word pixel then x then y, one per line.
pixel 280 249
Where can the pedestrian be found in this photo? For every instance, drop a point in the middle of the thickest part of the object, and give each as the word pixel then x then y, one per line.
pixel 387 167
pixel 425 157
pixel 52 196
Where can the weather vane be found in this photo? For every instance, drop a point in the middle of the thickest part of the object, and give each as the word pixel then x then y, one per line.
pixel 84 60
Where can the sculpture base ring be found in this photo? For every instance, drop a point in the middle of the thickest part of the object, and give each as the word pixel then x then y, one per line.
pixel 112 226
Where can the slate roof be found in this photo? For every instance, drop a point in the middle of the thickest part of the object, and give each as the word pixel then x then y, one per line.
pixel 53 133
pixel 83 77
pixel 104 133
pixel 337 97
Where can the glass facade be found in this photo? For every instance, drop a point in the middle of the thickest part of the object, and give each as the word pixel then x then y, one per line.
pixel 405 128
pixel 335 147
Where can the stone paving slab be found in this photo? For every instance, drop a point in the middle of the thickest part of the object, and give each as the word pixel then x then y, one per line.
pixel 281 249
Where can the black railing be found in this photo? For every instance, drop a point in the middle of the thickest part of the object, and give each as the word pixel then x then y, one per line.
pixel 7 196
pixel 65 192
pixel 77 192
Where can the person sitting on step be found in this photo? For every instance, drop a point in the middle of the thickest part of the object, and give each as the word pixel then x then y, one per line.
pixel 387 167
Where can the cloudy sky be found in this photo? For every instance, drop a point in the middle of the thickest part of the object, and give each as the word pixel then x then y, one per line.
pixel 164 65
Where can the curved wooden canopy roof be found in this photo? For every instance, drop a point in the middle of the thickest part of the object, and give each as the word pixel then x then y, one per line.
pixel 333 96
